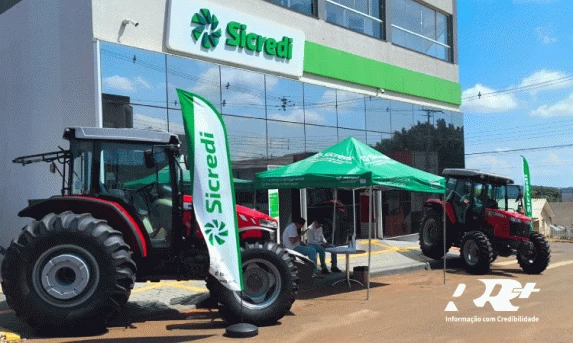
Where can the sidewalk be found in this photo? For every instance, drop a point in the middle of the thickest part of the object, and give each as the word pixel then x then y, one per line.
pixel 388 257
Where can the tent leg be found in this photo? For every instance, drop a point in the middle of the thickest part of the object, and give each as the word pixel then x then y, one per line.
pixel 334 216
pixel 369 243
pixel 303 209
pixel 444 234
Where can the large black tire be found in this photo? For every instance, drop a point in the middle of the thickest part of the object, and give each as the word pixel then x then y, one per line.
pixel 476 252
pixel 67 272
pixel 270 282
pixel 432 235
pixel 536 261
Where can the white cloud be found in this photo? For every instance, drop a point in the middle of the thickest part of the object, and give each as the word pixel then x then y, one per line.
pixel 125 84
pixel 562 108
pixel 545 35
pixel 486 104
pixel 553 159
pixel 488 163
pixel 141 82
pixel 546 77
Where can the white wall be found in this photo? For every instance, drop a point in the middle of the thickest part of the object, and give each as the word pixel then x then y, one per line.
pixel 46 83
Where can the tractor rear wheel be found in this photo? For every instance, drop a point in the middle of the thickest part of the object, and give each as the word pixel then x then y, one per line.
pixel 67 272
pixel 432 235
pixel 535 261
pixel 476 252
pixel 270 286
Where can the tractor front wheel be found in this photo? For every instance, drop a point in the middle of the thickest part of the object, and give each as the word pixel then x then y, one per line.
pixel 476 252
pixel 270 286
pixel 536 260
pixel 67 271
pixel 432 236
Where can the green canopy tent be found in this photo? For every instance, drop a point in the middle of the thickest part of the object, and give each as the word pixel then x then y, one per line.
pixel 351 164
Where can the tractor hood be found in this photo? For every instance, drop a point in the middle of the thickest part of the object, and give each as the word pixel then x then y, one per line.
pixel 511 214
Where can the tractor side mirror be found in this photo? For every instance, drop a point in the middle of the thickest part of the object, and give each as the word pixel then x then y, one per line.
pixel 149 159
pixel 52 168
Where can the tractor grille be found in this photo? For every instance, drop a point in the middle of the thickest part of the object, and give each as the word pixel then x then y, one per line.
pixel 519 229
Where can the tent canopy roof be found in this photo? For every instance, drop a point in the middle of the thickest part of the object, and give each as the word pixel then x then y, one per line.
pixel 350 164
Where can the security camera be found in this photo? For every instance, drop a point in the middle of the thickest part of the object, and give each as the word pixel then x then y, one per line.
pixel 129 21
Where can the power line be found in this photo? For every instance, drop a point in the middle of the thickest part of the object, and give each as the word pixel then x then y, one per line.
pixel 521 149
pixel 531 86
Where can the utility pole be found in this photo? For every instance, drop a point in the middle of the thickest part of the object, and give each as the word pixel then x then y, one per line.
pixel 429 114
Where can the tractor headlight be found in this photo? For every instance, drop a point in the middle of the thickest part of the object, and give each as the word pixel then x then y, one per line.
pixel 515 220
pixel 271 224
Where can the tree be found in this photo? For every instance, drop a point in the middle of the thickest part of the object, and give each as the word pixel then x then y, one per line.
pixel 445 139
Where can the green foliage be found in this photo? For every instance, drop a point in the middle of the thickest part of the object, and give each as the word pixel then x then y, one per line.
pixel 552 194
pixel 446 139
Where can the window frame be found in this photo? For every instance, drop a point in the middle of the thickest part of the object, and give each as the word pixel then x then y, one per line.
pixel 382 20
pixel 449 28
pixel 314 4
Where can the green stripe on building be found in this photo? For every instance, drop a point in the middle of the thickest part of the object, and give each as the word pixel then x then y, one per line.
pixel 340 65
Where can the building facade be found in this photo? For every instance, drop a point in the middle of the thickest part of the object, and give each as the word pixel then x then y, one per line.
pixel 290 77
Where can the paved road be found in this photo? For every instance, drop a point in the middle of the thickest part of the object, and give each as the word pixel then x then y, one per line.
pixel 401 308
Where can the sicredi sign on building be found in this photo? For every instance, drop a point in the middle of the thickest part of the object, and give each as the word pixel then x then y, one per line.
pixel 212 31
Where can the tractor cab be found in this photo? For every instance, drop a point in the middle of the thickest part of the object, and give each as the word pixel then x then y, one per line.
pixel 138 169
pixel 470 193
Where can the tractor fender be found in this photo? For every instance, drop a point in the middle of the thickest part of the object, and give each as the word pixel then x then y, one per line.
pixel 256 232
pixel 437 205
pixel 305 267
pixel 112 212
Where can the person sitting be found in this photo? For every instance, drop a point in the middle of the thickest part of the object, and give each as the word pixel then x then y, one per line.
pixel 292 240
pixel 315 238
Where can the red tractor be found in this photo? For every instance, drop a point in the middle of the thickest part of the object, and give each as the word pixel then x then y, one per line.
pixel 481 219
pixel 123 217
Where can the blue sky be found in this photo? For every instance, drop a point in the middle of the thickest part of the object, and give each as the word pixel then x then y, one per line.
pixel 519 55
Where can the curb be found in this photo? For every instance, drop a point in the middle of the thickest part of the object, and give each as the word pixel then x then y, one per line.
pixel 400 269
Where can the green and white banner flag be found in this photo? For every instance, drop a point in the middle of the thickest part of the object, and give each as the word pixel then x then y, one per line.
pixel 527 190
pixel 213 188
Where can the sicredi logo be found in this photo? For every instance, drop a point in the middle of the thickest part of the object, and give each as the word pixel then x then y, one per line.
pixel 225 34
pixel 208 33
pixel 215 230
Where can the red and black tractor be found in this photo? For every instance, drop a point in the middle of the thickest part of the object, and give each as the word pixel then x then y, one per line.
pixel 483 219
pixel 123 216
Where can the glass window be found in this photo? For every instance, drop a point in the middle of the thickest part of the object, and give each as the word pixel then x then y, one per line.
pixel 285 139
pixel 319 138
pixel 243 93
pixel 303 6
pixel 350 109
pixel 193 76
pixel 358 15
pixel 420 28
pixel 319 105
pixel 345 133
pixel 378 114
pixel 82 167
pixel 376 139
pixel 133 80
pixel 402 115
pixel 284 99
pixel 247 140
